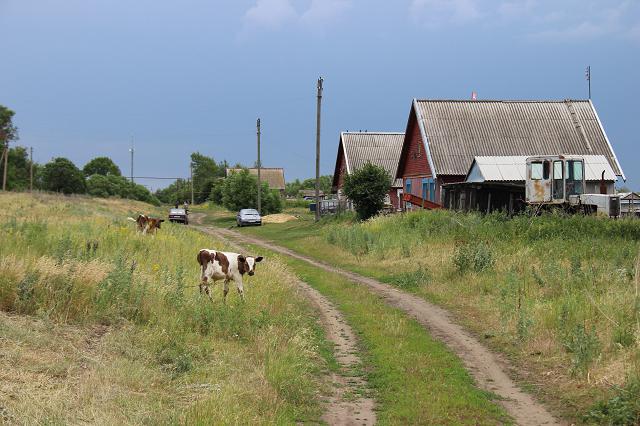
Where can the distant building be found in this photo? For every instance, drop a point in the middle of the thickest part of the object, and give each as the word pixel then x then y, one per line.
pixel 359 148
pixel 630 204
pixel 272 175
pixel 443 137
pixel 310 194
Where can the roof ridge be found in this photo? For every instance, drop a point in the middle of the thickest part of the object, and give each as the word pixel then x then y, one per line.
pixel 372 133
pixel 503 100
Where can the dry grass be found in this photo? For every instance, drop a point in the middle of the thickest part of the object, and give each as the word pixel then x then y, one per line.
pixel 119 334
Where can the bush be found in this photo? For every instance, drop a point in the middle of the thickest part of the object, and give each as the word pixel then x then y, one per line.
pixel 476 257
pixel 118 186
pixel 367 188
pixel 61 175
pixel 621 409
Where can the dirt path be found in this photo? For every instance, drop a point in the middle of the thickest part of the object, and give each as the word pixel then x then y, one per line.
pixel 487 368
pixel 346 405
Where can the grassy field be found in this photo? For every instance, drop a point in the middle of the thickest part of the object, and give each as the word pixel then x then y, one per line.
pixel 558 295
pixel 415 379
pixel 101 325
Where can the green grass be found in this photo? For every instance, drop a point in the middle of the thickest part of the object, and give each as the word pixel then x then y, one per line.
pixel 416 379
pixel 72 265
pixel 557 294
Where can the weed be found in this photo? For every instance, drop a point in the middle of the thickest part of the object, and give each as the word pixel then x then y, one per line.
pixel 411 280
pixel 621 409
pixel 476 257
pixel 584 347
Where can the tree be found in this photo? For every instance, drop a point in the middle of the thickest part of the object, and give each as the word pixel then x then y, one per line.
pixel 239 191
pixel 7 128
pixel 101 166
pixel 118 186
pixel 367 188
pixel 205 171
pixel 61 175
pixel 18 170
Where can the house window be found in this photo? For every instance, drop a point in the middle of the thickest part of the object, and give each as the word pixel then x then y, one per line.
pixel 536 171
pixel 429 189
pixel 408 186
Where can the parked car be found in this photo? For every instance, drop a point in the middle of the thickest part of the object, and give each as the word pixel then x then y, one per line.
pixel 248 217
pixel 179 215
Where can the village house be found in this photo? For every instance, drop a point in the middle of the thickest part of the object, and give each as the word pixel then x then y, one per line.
pixel 444 137
pixel 274 176
pixel 378 148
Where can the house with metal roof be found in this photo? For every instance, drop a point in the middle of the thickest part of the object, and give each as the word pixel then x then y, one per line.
pixel 379 148
pixel 274 176
pixel 443 138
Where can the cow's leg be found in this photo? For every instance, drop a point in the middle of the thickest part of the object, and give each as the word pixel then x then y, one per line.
pixel 226 290
pixel 240 289
pixel 206 290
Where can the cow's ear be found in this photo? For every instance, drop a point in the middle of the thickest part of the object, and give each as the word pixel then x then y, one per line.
pixel 259 259
pixel 241 259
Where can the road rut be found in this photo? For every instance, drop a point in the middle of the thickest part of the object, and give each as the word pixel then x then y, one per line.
pixel 346 405
pixel 487 368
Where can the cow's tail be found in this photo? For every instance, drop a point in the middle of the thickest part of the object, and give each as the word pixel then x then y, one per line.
pixel 131 219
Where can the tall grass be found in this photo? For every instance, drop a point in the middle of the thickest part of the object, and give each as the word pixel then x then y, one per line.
pixel 561 287
pixel 79 262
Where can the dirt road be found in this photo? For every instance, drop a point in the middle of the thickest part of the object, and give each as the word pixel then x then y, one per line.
pixel 346 405
pixel 487 368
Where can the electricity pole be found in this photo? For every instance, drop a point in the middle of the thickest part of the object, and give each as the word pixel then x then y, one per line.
pixel 319 108
pixel 587 74
pixel 259 165
pixel 5 154
pixel 31 169
pixel 131 151
pixel 191 172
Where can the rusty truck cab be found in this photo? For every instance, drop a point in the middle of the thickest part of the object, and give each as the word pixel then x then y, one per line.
pixel 554 179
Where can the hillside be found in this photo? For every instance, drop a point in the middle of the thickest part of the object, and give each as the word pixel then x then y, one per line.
pixel 99 324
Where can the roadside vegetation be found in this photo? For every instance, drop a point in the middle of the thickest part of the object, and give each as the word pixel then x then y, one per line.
pixel 415 379
pixel 559 295
pixel 101 325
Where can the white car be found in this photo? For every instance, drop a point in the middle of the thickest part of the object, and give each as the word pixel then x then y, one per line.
pixel 248 217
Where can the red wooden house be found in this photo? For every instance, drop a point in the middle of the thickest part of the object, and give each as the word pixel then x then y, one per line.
pixel 381 149
pixel 444 136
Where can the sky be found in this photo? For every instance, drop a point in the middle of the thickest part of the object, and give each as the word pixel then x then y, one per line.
pixel 88 77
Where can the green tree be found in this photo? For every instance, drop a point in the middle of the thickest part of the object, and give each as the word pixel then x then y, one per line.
pixel 205 172
pixel 292 189
pixel 325 183
pixel 101 166
pixel 18 170
pixel 240 191
pixel 7 128
pixel 118 186
pixel 367 188
pixel 61 175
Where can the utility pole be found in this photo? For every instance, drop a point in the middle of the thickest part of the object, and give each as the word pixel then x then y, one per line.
pixel 5 154
pixel 259 166
pixel 31 169
pixel 319 109
pixel 191 172
pixel 131 151
pixel 587 74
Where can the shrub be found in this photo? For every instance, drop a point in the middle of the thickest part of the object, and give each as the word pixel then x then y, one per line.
pixel 367 188
pixel 61 175
pixel 584 347
pixel 622 409
pixel 475 257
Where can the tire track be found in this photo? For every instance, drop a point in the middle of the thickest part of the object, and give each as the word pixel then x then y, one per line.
pixel 486 368
pixel 346 405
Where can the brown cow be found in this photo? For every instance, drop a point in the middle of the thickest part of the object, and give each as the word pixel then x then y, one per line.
pixel 146 224
pixel 217 265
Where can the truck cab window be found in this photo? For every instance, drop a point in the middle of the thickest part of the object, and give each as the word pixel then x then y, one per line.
pixel 536 171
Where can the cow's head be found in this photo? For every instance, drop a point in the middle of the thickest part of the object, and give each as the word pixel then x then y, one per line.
pixel 248 264
pixel 205 256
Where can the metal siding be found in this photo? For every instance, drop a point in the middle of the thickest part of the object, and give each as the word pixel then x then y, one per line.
pixel 458 131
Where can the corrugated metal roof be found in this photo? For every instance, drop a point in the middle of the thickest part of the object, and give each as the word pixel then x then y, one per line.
pixel 272 175
pixel 379 148
pixel 457 131
pixel 513 168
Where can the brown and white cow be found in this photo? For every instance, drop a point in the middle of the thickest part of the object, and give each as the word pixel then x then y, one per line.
pixel 147 224
pixel 218 265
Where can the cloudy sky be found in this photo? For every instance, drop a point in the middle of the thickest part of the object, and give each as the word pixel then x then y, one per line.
pixel 87 76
